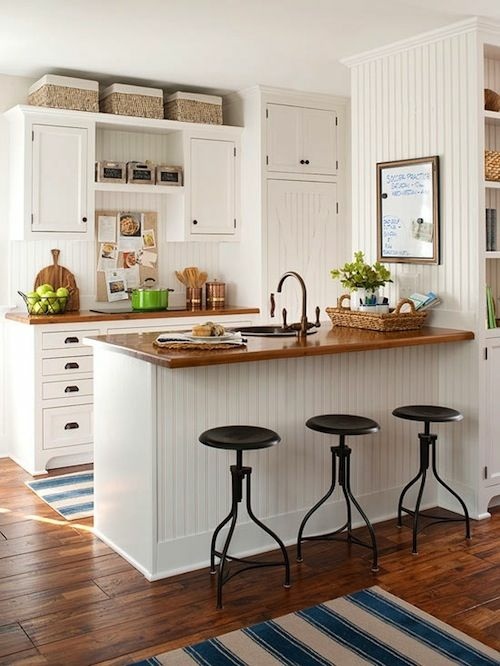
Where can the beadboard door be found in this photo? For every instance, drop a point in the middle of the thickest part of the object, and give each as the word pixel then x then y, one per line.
pixel 303 235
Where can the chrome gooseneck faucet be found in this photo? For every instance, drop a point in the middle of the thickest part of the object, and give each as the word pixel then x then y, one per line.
pixel 303 326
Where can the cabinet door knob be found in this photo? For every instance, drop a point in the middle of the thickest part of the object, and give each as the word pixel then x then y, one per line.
pixel 71 340
pixel 71 426
pixel 71 389
pixel 307 161
pixel 195 221
pixel 84 219
pixel 302 161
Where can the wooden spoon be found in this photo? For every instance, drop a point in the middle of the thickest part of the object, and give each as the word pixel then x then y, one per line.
pixel 180 276
pixel 191 273
pixel 202 278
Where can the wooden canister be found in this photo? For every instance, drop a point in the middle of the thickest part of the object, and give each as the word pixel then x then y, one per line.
pixel 215 293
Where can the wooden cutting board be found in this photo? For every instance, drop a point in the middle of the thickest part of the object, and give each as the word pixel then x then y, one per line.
pixel 58 276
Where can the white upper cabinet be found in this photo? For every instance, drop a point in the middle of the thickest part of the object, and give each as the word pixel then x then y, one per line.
pixel 213 191
pixel 51 162
pixel 60 194
pixel 301 140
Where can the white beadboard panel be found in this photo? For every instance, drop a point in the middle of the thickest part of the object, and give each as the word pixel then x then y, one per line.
pixel 132 146
pixel 194 481
pixel 413 104
pixel 304 234
pixel 28 257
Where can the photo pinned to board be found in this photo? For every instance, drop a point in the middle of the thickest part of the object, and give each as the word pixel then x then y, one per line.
pixel 148 239
pixel 116 285
pixel 108 256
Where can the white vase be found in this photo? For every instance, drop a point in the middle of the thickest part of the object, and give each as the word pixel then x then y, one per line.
pixel 363 297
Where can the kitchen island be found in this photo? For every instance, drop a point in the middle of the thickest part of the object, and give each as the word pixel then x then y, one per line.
pixel 159 493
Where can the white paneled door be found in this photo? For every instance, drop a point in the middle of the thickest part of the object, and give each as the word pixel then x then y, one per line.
pixel 59 179
pixel 303 235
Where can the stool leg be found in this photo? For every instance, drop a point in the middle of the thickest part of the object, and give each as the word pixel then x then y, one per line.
pixel 286 561
pixel 451 491
pixel 237 475
pixel 316 506
pixel 344 481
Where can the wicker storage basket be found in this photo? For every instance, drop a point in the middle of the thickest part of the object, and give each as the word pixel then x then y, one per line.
pixel 393 321
pixel 125 100
pixel 492 164
pixel 491 100
pixel 65 92
pixel 194 108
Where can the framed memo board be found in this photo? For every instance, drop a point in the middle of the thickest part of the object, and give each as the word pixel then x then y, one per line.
pixel 408 211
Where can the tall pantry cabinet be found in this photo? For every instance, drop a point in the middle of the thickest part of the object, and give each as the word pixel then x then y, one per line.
pixel 293 196
pixel 489 44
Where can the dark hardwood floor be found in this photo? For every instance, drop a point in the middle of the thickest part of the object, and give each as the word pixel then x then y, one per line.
pixel 66 598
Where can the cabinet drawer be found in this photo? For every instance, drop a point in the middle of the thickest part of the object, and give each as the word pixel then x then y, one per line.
pixel 65 339
pixel 67 389
pixel 67 426
pixel 67 365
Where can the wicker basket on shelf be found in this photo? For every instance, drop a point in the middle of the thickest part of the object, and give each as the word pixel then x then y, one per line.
pixel 491 100
pixel 392 321
pixel 492 165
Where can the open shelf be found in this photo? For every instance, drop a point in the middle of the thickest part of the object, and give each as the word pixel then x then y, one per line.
pixel 138 189
pixel 492 254
pixel 492 184
pixel 492 117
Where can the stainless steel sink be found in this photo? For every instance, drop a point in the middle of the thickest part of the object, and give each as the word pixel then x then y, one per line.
pixel 270 331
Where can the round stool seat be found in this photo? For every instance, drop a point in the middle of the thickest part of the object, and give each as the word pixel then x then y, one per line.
pixel 342 424
pixel 239 437
pixel 427 413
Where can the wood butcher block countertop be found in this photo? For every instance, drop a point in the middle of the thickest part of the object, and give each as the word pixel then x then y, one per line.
pixel 326 340
pixel 82 316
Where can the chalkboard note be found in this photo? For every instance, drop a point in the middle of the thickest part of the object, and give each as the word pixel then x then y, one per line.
pixel 408 210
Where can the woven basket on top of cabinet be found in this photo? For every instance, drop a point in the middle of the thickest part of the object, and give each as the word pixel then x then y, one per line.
pixel 392 321
pixel 492 165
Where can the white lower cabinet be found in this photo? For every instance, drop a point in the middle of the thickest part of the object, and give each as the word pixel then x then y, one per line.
pixel 491 472
pixel 49 379
pixel 67 426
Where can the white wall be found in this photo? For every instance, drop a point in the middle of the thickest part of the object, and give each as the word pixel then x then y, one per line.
pixel 415 102
pixel 13 90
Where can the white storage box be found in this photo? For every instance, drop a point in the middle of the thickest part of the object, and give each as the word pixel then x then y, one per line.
pixel 65 92
pixel 194 108
pixel 127 100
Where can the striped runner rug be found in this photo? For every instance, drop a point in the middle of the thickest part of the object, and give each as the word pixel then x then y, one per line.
pixel 71 495
pixel 368 627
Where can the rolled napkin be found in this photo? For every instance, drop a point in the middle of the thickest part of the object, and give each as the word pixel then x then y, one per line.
pixel 227 339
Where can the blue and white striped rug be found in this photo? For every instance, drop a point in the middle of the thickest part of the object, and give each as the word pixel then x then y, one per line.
pixel 368 627
pixel 71 495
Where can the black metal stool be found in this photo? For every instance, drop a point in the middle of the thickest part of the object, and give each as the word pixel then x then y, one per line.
pixel 428 414
pixel 240 438
pixel 341 425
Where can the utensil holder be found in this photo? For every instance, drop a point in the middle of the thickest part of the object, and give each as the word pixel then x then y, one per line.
pixel 193 298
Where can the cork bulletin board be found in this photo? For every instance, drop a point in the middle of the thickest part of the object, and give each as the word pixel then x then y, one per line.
pixel 126 252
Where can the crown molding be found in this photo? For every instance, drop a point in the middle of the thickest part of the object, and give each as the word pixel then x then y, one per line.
pixel 461 27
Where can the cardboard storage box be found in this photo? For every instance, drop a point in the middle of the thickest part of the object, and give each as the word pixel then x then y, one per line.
pixel 194 108
pixel 65 92
pixel 127 100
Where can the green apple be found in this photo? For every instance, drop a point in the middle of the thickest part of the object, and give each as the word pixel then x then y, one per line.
pixel 54 306
pixel 44 288
pixel 32 297
pixel 62 292
pixel 39 308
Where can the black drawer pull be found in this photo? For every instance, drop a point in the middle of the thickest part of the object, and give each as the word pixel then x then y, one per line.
pixel 71 366
pixel 71 340
pixel 71 389
pixel 71 426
